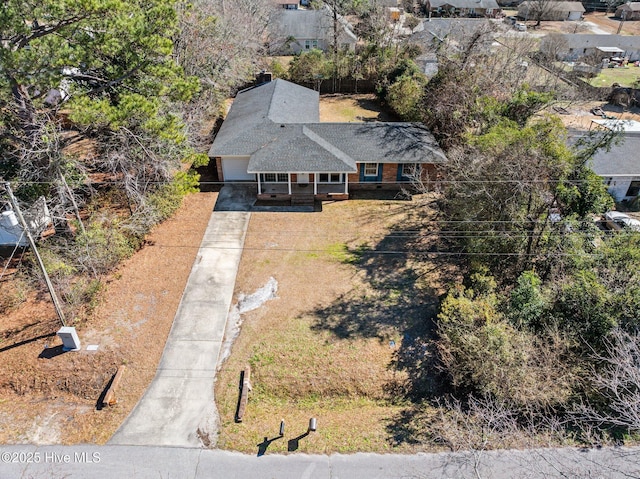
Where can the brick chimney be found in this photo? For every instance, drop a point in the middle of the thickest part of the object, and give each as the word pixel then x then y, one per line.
pixel 263 77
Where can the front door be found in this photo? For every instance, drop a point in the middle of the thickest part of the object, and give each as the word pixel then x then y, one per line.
pixel 303 178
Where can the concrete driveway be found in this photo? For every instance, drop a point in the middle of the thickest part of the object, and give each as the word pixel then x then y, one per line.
pixel 178 408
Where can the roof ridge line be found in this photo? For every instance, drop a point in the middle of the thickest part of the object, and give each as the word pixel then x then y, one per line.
pixel 334 150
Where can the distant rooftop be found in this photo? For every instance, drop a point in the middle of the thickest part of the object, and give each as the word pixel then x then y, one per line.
pixel 628 126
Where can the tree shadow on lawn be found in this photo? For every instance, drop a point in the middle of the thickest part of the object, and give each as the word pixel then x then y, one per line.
pixel 399 300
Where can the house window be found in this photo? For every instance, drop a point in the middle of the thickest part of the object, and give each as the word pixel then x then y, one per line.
pixel 371 169
pixel 274 177
pixel 309 44
pixel 330 178
pixel 634 189
pixel 409 170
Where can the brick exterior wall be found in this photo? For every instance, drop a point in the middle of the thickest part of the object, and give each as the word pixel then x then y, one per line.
pixel 390 176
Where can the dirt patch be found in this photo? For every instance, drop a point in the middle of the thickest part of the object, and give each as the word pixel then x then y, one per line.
pixel 602 21
pixel 608 23
pixel 49 396
pixel 577 115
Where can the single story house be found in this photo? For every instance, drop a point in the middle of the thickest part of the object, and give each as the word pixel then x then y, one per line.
pixel 273 136
pixel 462 8
pixel 296 31
pixel 287 4
pixel 574 47
pixel 629 11
pixel 620 166
pixel 550 11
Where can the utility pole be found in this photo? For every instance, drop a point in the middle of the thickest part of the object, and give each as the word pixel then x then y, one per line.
pixel 624 17
pixel 32 243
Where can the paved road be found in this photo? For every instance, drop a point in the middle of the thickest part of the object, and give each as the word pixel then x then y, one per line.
pixel 178 408
pixel 139 462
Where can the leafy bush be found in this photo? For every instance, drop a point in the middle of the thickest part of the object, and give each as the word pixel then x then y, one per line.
pixel 527 304
pixel 103 245
pixel 485 355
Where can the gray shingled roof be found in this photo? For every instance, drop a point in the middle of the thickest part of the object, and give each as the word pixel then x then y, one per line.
pixel 374 142
pixel 297 149
pixel 622 159
pixel 489 4
pixel 557 6
pixel 633 6
pixel 589 40
pixel 255 112
pixel 308 24
pixel 277 127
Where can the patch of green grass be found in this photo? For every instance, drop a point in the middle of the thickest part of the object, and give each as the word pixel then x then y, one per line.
pixel 346 255
pixel 625 76
pixel 349 113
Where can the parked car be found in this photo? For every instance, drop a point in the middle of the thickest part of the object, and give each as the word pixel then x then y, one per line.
pixel 614 220
pixel 521 27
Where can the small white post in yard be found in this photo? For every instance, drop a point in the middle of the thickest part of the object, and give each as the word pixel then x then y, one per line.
pixel 313 424
pixel 69 337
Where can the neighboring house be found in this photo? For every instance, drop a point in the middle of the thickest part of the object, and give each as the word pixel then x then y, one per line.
pixel 620 166
pixel 453 33
pixel 37 218
pixel 574 47
pixel 296 31
pixel 629 11
pixel 386 3
pixel 462 8
pixel 287 4
pixel 273 136
pixel 550 11
pixel 428 63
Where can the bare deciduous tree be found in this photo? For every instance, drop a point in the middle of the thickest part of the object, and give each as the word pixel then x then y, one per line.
pixel 617 381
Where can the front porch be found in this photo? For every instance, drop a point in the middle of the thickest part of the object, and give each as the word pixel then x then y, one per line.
pixel 299 187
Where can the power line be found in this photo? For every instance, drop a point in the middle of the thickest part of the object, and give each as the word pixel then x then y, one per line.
pixel 379 252
pixel 407 185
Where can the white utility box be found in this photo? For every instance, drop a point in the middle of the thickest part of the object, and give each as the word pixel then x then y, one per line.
pixel 70 341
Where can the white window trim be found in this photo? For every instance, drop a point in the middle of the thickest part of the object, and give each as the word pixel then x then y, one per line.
pixel 409 170
pixel 329 180
pixel 277 180
pixel 369 175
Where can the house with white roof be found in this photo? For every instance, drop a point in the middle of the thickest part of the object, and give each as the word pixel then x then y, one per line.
pixel 620 165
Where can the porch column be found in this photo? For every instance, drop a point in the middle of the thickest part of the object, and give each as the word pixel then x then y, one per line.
pixel 346 183
pixel 315 184
pixel 259 184
pixel 289 182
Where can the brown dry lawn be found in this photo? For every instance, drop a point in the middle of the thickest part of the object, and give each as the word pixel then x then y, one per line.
pixel 607 22
pixel 347 340
pixel 603 21
pixel 46 397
